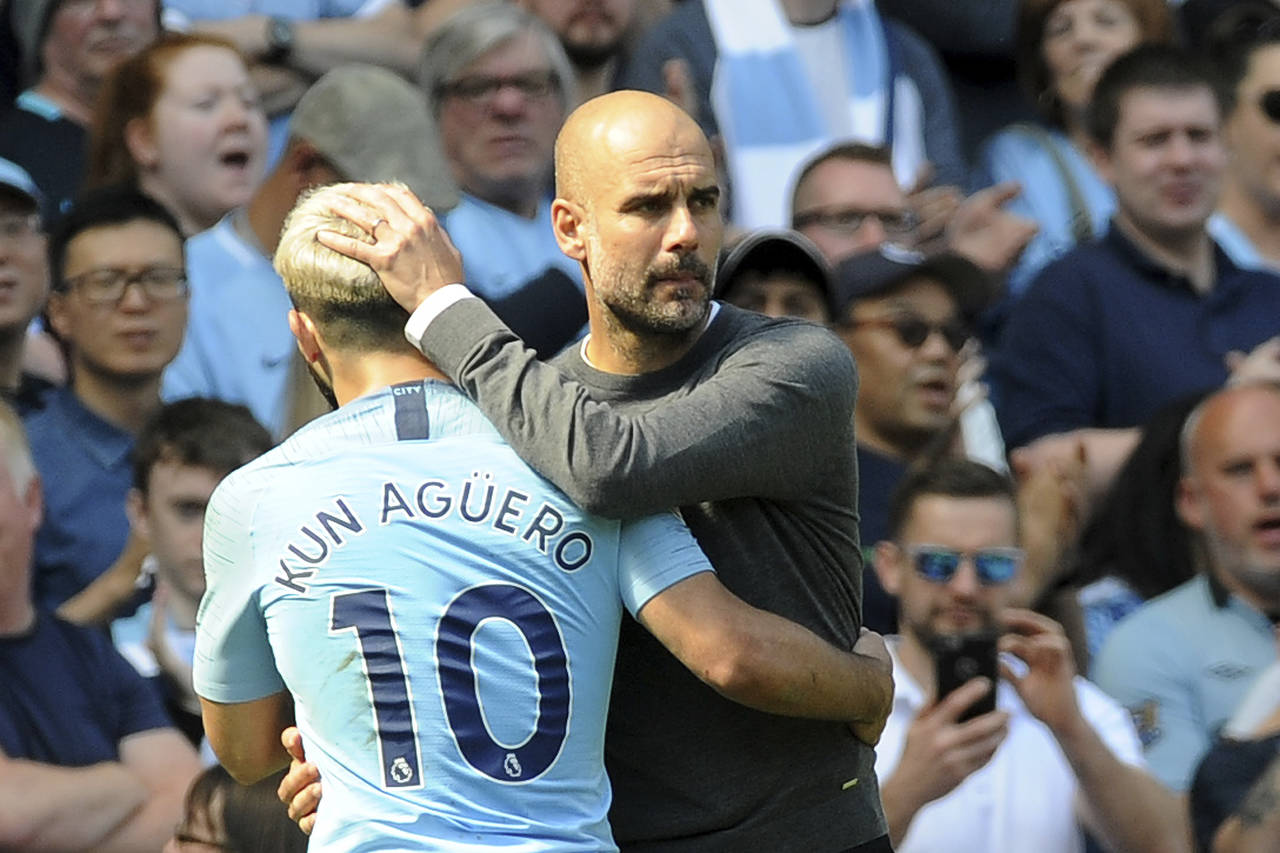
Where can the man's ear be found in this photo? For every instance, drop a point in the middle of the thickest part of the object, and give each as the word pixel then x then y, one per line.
pixel 135 507
pixel 1187 504
pixel 890 563
pixel 567 220
pixel 56 310
pixel 1100 156
pixel 305 332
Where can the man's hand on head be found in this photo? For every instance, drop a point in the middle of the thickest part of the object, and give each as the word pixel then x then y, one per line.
pixel 410 251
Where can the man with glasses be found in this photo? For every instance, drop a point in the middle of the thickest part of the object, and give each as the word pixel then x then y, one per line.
pixel 1056 755
pixel 846 200
pixel 499 83
pixel 24 284
pixel 119 306
pixel 905 317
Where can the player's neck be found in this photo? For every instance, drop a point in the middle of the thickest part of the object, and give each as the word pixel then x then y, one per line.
pixel 358 374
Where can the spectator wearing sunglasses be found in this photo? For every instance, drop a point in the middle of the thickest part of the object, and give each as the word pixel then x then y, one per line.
pixel 906 319
pixel 1056 755
pixel 1114 329
pixel 776 273
pixel 1247 224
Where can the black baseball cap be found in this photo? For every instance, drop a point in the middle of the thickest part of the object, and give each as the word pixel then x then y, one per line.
pixel 768 250
pixel 881 270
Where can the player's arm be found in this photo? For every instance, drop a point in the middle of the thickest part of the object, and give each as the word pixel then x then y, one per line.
pixel 768 424
pixel 246 735
pixel 242 697
pixel 767 662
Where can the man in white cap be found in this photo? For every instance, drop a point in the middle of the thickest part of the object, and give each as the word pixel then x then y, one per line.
pixel 357 123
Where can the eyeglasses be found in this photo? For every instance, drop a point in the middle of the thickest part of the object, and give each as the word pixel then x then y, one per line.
pixel 847 220
pixel 14 226
pixel 994 566
pixel 107 285
pixel 913 331
pixel 480 91
pixel 1269 103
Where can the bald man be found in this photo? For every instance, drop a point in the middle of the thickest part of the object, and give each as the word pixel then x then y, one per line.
pixel 743 422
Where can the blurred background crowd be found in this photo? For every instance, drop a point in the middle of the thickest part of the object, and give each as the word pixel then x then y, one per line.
pixel 1047 230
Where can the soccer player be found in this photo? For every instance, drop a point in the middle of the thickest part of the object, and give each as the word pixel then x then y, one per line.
pixel 443 620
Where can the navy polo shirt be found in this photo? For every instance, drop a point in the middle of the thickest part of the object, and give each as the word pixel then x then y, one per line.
pixel 1105 336
pixel 67 697
pixel 85 473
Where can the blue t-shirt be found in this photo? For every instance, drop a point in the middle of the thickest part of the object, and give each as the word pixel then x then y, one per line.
pixel 238 346
pixel 445 620
pixel 85 472
pixel 1181 664
pixel 68 698
pixel 501 251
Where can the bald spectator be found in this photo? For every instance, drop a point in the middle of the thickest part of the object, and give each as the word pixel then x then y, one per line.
pixel 88 760
pixel 357 122
pixel 1184 661
pixel 67 46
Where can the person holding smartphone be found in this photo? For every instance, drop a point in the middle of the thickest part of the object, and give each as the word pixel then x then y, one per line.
pixel 1049 755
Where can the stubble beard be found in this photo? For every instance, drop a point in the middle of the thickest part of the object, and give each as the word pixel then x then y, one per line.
pixel 637 311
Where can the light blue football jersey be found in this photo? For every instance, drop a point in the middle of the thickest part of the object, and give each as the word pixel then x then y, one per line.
pixel 445 619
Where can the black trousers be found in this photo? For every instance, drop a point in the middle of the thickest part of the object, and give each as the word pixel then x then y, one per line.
pixel 878 845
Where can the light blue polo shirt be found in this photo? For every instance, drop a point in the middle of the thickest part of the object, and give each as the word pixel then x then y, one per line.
pixel 1181 665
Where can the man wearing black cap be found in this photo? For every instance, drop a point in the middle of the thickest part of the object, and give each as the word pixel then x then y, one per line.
pixel 905 317
pixel 778 274
pixel 67 50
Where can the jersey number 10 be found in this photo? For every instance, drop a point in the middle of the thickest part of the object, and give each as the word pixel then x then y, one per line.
pixel 368 615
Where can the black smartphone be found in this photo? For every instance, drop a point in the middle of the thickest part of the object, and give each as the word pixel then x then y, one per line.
pixel 959 658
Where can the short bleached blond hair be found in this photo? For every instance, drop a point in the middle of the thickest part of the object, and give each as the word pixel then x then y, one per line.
pixel 344 297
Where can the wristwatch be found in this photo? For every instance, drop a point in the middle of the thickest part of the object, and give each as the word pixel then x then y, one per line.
pixel 279 39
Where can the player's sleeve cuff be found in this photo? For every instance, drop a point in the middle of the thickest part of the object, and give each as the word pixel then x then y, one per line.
pixel 431 308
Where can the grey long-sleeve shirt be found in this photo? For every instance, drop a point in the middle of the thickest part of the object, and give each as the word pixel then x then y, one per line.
pixel 751 435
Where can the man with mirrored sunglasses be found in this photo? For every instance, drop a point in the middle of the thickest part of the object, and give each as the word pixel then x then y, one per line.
pixel 119 306
pixel 906 319
pixel 1056 755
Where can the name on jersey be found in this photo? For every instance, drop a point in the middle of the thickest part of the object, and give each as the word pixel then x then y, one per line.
pixel 477 501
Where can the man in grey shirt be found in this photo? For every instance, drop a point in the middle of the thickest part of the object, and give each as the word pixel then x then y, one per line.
pixel 742 421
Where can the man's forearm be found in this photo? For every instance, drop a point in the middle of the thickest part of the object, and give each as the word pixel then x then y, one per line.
pixel 1127 806
pixel 900 802
pixel 44 807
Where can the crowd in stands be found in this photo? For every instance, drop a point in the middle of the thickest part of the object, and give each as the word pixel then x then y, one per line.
pixel 1047 231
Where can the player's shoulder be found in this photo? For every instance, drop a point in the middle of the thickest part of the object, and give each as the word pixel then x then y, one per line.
pixel 790 343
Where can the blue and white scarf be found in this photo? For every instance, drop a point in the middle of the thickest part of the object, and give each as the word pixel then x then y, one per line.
pixel 769 115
